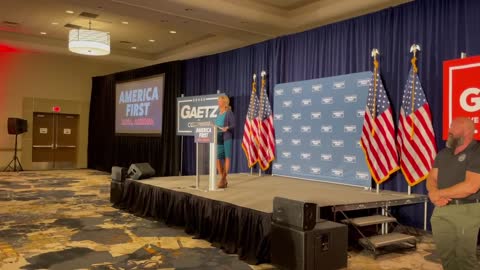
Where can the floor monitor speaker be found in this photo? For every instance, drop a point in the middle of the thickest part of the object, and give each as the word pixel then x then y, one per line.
pixel 298 214
pixel 119 174
pixel 140 171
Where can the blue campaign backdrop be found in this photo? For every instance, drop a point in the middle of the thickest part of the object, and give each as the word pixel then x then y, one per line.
pixel 318 129
pixel 443 28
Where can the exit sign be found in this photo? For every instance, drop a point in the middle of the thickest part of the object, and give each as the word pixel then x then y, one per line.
pixel 56 108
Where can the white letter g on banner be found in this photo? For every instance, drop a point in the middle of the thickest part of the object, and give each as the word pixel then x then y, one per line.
pixel 472 95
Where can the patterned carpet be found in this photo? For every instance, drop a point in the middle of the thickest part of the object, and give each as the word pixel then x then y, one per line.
pixel 64 220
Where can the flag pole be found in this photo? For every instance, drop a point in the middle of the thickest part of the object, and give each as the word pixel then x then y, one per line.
pixel 181 150
pixel 254 80
pixel 262 74
pixel 414 48
pixel 375 52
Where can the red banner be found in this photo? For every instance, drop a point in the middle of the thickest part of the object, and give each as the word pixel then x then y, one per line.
pixel 461 92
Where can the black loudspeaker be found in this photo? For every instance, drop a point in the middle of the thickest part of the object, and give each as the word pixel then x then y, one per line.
pixel 323 248
pixel 301 215
pixel 119 174
pixel 16 126
pixel 116 191
pixel 140 171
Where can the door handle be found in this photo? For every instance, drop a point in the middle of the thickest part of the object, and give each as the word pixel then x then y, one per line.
pixel 65 146
pixel 43 146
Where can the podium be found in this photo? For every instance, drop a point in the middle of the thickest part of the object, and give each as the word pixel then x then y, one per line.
pixel 206 133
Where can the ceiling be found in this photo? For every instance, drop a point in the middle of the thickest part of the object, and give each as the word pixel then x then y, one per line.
pixel 287 4
pixel 202 26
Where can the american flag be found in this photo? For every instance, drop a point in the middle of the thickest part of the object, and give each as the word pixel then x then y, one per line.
pixel 249 143
pixel 266 131
pixel 416 139
pixel 378 133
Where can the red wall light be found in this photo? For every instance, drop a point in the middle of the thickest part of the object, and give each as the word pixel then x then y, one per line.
pixel 56 108
pixel 8 49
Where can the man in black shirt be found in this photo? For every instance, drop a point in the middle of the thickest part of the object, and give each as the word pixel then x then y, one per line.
pixel 453 185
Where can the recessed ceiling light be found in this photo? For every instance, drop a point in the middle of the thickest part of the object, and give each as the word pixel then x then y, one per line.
pixel 134 48
pixel 124 22
pixel 151 40
pixel 54 23
pixel 43 33
pixel 69 11
pixel 173 32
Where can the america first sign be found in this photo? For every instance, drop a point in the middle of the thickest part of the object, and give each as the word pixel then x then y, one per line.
pixel 461 92
pixel 194 109
pixel 204 134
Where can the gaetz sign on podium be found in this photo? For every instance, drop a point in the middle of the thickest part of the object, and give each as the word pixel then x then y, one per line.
pixel 461 92
pixel 193 110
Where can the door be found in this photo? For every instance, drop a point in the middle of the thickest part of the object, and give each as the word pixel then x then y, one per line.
pixel 43 140
pixel 54 141
pixel 66 129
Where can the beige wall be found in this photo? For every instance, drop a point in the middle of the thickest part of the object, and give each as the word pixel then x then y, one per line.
pixel 31 81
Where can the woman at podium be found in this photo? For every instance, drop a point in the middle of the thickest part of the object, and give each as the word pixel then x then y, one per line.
pixel 225 122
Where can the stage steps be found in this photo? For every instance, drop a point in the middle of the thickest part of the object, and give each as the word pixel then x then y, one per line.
pixel 383 239
pixel 369 220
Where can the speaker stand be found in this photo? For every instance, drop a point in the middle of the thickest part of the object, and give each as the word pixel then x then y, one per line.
pixel 17 166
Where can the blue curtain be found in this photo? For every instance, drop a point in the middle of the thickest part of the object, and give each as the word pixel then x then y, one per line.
pixel 443 28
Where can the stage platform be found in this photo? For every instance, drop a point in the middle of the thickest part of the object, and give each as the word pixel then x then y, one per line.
pixel 237 219
pixel 257 192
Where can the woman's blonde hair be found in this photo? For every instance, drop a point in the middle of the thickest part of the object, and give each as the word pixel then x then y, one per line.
pixel 226 101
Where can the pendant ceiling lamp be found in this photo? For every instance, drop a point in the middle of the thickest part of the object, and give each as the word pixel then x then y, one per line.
pixel 89 42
